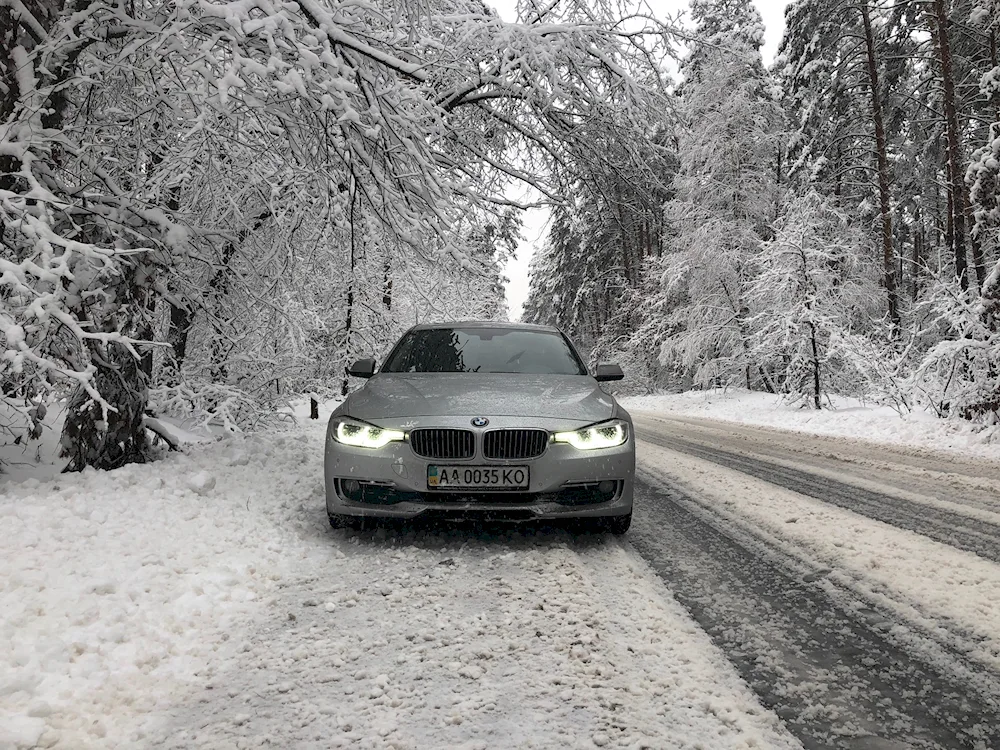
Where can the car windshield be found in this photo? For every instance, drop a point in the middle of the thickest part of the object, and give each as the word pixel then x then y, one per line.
pixel 484 350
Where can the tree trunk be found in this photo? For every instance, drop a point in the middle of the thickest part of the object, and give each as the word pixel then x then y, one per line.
pixel 816 392
pixel 181 316
pixel 349 318
pixel 767 380
pixel 882 160
pixel 219 286
pixel 956 182
pixel 9 90
pixel 978 259
pixel 621 216
pixel 144 331
pixel 181 320
pixel 995 64
pixel 387 284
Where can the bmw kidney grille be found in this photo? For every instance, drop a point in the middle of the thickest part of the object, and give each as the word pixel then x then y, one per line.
pixel 443 443
pixel 514 444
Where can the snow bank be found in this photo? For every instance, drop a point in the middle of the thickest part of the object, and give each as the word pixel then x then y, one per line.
pixel 119 587
pixel 39 459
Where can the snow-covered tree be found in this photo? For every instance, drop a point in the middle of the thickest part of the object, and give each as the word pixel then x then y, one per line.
pixel 960 374
pixel 983 174
pixel 557 275
pixel 832 66
pixel 181 165
pixel 813 291
pixel 726 194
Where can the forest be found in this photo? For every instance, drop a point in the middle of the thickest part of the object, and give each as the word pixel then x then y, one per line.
pixel 207 207
pixel 825 225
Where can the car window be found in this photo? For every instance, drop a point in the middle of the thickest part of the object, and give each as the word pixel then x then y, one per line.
pixel 484 350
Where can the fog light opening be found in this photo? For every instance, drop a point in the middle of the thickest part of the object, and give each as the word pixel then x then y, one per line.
pixel 606 487
pixel 350 486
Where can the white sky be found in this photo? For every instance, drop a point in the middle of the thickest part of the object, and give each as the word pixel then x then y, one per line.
pixel 535 220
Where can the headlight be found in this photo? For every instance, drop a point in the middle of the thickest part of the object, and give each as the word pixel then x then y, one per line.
pixel 361 435
pixel 603 435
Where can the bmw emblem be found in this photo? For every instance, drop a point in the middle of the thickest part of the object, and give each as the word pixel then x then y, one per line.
pixel 480 421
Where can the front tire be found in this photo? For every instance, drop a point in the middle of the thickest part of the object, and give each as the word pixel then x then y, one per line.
pixel 338 521
pixel 617 525
pixel 353 523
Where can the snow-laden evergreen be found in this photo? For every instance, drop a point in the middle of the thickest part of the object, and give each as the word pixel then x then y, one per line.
pixel 726 195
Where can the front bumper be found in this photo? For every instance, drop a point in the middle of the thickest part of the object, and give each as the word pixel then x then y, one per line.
pixel 564 482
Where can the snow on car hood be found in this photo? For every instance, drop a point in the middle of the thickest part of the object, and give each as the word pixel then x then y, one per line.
pixel 390 395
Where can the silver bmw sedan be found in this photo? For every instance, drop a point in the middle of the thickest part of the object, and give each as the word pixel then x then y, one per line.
pixel 481 421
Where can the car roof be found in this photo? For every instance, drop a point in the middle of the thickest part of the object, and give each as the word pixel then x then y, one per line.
pixel 484 324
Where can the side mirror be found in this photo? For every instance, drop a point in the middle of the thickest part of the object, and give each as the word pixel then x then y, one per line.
pixel 363 368
pixel 608 372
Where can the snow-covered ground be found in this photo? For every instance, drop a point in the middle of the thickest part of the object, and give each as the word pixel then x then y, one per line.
pixel 202 601
pixel 844 417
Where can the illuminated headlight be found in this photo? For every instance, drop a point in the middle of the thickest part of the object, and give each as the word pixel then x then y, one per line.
pixel 361 435
pixel 603 435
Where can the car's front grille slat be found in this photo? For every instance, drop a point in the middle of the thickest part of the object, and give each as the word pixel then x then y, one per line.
pixel 514 444
pixel 443 443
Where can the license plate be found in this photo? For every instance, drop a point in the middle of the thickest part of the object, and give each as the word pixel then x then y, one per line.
pixel 477 477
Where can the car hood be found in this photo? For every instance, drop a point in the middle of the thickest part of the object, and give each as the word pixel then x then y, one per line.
pixel 391 395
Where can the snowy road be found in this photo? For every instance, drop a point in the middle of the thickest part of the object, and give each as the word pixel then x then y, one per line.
pixel 465 638
pixel 944 497
pixel 204 602
pixel 799 556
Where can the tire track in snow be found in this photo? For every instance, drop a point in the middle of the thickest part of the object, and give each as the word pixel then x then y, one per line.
pixel 960 531
pixel 835 676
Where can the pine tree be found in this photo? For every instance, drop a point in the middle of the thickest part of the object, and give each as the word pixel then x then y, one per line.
pixel 726 194
pixel 983 174
pixel 832 68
